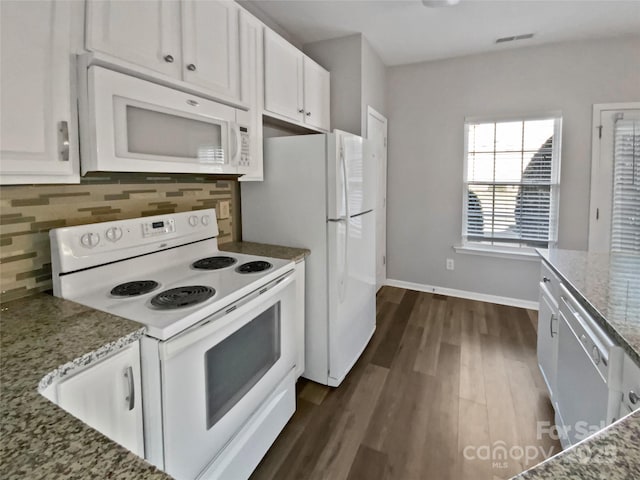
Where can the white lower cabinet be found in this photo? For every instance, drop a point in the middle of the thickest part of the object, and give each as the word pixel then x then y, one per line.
pixel 548 328
pixel 300 317
pixel 107 396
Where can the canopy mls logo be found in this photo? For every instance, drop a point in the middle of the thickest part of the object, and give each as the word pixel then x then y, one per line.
pixel 500 454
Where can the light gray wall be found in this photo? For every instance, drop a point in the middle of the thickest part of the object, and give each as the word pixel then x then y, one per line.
pixel 427 104
pixel 341 56
pixel 374 82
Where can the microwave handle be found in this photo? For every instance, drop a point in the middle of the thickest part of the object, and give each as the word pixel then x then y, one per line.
pixel 235 130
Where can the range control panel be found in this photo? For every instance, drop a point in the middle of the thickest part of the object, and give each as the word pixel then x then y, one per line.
pixel 83 246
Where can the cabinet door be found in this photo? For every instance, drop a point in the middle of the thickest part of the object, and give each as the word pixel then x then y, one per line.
pixel 548 339
pixel 283 66
pixel 37 128
pixel 107 396
pixel 211 54
pixel 316 95
pixel 252 90
pixel 146 33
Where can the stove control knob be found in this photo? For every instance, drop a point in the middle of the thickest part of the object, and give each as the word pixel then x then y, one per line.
pixel 90 240
pixel 193 220
pixel 205 220
pixel 113 234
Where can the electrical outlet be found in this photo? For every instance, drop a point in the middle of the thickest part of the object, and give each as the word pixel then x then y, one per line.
pixel 450 264
pixel 223 210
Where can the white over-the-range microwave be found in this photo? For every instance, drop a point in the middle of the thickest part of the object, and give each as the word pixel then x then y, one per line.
pixel 132 125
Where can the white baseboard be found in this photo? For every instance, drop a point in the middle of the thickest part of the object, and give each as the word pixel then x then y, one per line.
pixel 452 292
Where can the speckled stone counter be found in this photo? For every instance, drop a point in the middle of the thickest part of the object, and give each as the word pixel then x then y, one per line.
pixel 265 250
pixel 37 438
pixel 608 285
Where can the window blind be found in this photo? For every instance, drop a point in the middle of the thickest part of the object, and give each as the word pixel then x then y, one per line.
pixel 511 182
pixel 625 217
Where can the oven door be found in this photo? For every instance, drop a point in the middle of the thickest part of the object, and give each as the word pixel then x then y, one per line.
pixel 218 373
pixel 139 126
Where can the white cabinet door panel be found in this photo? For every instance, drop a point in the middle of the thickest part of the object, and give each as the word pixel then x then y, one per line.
pixel 35 85
pixel 146 33
pixel 283 67
pixel 316 95
pixel 211 53
pixel 548 339
pixel 100 396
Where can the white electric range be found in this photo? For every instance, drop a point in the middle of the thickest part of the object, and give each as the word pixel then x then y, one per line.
pixel 218 356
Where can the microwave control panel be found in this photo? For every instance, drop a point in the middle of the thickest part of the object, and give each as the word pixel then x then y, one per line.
pixel 245 156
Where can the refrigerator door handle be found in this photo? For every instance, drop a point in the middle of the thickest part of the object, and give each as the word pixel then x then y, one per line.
pixel 342 290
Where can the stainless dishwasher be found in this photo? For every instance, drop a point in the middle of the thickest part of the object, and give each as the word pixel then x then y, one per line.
pixel 589 368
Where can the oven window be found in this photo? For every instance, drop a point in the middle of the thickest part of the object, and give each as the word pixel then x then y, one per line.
pixel 162 134
pixel 237 363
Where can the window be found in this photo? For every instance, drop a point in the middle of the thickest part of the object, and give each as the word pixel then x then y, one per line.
pixel 511 182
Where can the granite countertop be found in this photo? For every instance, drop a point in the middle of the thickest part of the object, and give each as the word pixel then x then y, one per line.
pixel 266 250
pixel 42 337
pixel 609 285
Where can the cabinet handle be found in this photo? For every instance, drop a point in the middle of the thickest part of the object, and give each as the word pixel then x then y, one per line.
pixel 308 114
pixel 551 325
pixel 131 398
pixel 546 280
pixel 63 129
pixel 168 58
pixel 633 397
pixel 191 67
pixel 301 110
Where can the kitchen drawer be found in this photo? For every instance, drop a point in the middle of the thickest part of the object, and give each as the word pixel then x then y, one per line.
pixel 550 281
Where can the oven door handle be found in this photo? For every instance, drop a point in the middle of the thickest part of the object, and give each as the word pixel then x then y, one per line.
pixel 224 322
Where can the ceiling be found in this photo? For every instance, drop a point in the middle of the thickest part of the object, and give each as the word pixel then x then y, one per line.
pixel 405 31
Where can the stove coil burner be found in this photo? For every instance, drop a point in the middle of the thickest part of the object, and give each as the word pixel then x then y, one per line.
pixel 214 263
pixel 133 289
pixel 254 267
pixel 182 297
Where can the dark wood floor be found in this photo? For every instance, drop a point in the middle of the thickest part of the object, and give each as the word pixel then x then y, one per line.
pixel 444 385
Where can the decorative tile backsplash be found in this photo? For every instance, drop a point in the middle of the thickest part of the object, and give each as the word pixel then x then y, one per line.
pixel 28 212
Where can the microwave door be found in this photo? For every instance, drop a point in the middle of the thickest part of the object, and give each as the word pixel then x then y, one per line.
pixel 139 126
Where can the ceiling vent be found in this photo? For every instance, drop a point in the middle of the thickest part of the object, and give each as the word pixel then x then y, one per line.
pixel 515 37
pixel 439 3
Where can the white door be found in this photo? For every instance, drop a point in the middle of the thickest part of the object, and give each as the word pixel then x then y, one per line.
pixel 108 397
pixel 144 33
pixel 211 52
pixel 283 77
pixel 377 145
pixel 602 167
pixel 316 95
pixel 38 133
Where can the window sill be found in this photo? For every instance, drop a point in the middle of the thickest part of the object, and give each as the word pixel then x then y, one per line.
pixel 524 254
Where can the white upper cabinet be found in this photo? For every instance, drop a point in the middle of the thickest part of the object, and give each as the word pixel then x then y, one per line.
pixel 283 77
pixel 316 95
pixel 38 131
pixel 296 88
pixel 192 41
pixel 252 90
pixel 210 45
pixel 144 33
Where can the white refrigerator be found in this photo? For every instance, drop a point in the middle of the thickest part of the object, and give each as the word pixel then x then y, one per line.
pixel 319 193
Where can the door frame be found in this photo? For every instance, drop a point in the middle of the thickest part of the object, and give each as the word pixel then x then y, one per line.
pixel 381 190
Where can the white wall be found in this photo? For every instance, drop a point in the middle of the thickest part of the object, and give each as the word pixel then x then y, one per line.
pixel 374 82
pixel 427 104
pixel 342 57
